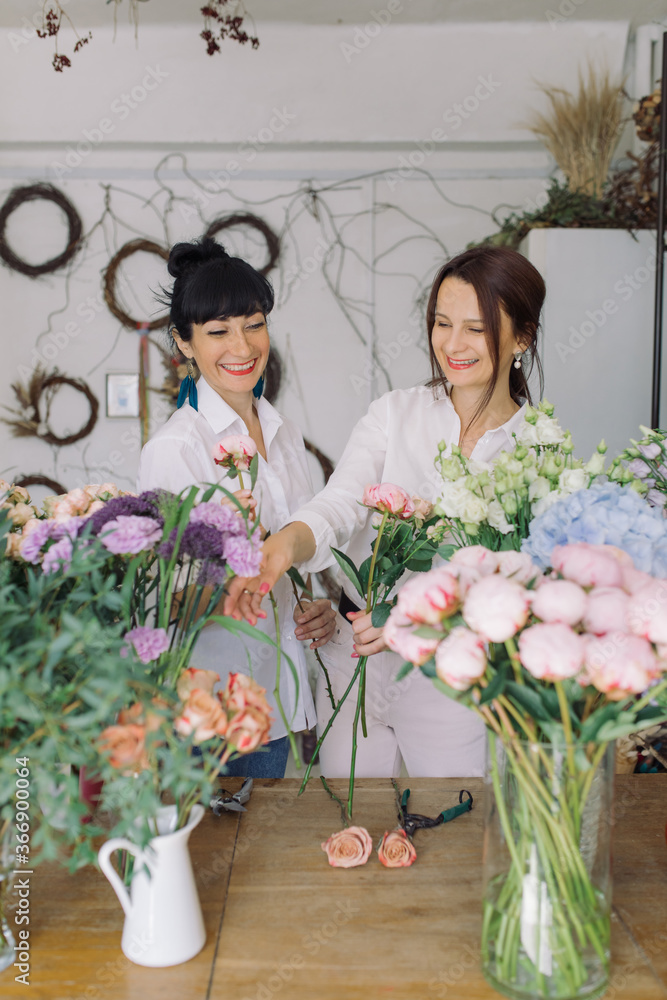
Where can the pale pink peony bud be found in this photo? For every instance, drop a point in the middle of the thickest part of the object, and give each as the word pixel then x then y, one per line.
pixel 460 659
pixel 496 608
pixel 620 665
pixel 587 565
pixel 551 651
pixel 399 635
pixel 607 610
pixel 560 601
pixel 429 597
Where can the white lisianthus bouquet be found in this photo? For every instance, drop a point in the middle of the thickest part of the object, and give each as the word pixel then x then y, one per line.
pixel 492 504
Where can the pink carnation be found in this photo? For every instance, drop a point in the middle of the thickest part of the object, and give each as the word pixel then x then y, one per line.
pixel 390 498
pixel 429 597
pixel 460 659
pixel 587 565
pixel 607 610
pixel 496 608
pixel 128 534
pixel 236 450
pixel 399 634
pixel 560 601
pixel 620 665
pixel 148 642
pixel 551 651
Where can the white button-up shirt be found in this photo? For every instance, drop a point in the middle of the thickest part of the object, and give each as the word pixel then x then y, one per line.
pixel 396 442
pixel 179 455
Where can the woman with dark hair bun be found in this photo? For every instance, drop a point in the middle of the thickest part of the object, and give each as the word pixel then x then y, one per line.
pixel 218 319
pixel 482 319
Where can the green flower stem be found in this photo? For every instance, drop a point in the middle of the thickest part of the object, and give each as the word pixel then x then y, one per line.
pixel 513 654
pixel 276 690
pixel 363 660
pixel 328 727
pixel 369 607
pixel 333 795
pixel 327 679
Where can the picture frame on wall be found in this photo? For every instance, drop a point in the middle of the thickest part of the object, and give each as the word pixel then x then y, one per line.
pixel 122 394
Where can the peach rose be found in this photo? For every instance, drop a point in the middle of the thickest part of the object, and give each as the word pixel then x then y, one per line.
pixel 423 509
pixel 125 745
pixel 192 678
pixel 243 692
pixel 249 729
pixel 151 721
pixel 21 513
pixel 348 848
pixel 396 850
pixel 202 717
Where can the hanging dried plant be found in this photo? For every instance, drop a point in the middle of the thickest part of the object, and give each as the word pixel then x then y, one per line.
pixel 227 25
pixel 581 130
pixel 52 19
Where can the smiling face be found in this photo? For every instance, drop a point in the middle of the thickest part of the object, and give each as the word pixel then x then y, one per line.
pixel 231 353
pixel 459 341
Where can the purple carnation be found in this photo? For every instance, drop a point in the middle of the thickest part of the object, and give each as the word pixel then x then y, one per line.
pixel 244 555
pixel 31 544
pixel 145 505
pixel 129 534
pixel 59 556
pixel 148 642
pixel 219 516
pixel 70 527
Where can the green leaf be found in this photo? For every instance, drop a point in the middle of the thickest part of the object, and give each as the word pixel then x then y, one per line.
pixel 428 669
pixel 349 569
pixel 380 613
pixel 529 699
pixel 405 670
pixel 428 632
pixel 496 685
pixel 294 575
pixel 254 466
pixel 447 551
pixel 418 565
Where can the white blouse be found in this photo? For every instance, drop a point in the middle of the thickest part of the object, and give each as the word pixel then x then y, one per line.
pixel 179 456
pixel 396 442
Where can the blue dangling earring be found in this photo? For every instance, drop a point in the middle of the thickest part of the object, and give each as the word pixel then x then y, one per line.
pixel 259 387
pixel 188 389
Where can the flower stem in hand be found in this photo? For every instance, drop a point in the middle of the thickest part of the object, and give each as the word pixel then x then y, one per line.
pixel 317 654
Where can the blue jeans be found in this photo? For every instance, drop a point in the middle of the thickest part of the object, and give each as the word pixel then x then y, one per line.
pixel 269 762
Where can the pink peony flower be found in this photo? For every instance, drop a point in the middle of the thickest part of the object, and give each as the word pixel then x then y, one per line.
pixel 551 651
pixel 429 597
pixel 620 665
pixel 149 643
pixel 390 498
pixel 647 611
pixel 396 850
pixel 517 566
pixel 202 717
pixel 496 608
pixel 476 557
pixel 560 601
pixel 399 634
pixel 587 565
pixel 606 610
pixel 348 848
pixel 192 678
pixel 460 659
pixel 129 534
pixel 237 450
pixel 635 579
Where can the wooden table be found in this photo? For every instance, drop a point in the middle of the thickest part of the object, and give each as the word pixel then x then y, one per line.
pixel 282 923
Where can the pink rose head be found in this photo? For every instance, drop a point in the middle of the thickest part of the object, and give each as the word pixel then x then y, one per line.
pixel 399 635
pixel 460 659
pixel 202 717
pixel 79 500
pixel 237 450
pixel 517 566
pixel 389 498
pixel 496 608
pixel 249 729
pixel 348 848
pixel 243 692
pixel 606 610
pixel 125 747
pixel 560 601
pixel 476 557
pixel 620 665
pixel 551 651
pixel 587 565
pixel 191 678
pixel 647 611
pixel 396 850
pixel 427 598
pixel 423 509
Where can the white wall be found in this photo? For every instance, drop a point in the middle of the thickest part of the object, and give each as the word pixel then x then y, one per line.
pixel 353 122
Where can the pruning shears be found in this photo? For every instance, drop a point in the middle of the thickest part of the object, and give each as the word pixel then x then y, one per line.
pixel 224 801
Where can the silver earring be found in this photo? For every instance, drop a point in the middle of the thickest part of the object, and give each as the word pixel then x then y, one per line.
pixel 517 359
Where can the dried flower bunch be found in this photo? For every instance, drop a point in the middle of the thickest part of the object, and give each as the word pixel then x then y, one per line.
pixel 227 26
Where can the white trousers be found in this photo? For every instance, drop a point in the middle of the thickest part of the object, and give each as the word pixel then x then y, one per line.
pixel 409 720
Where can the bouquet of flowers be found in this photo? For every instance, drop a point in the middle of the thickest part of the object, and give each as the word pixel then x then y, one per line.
pixel 557 666
pixel 492 504
pixel 646 459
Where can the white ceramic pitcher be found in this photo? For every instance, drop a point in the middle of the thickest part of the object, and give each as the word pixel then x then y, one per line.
pixel 163 918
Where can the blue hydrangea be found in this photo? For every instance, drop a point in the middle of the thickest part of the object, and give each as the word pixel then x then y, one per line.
pixel 604 514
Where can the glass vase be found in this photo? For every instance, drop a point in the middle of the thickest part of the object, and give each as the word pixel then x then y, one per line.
pixel 547 869
pixel 7 865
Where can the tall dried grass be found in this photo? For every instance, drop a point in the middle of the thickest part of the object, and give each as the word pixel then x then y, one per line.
pixel 581 130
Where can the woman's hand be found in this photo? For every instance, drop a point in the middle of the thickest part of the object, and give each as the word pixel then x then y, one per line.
pixel 246 593
pixel 245 498
pixel 367 638
pixel 317 621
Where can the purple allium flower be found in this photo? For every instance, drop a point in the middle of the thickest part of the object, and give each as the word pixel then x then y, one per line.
pixel 59 556
pixel 130 534
pixel 31 544
pixel 213 573
pixel 243 555
pixel 219 516
pixel 144 505
pixel 148 642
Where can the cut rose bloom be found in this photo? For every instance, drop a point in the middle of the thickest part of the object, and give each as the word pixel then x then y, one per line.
pixel 551 651
pixel 620 665
pixel 496 608
pixel 236 450
pixel 647 611
pixel 476 557
pixel 125 747
pixel 396 850
pixel 149 643
pixel 249 729
pixel 460 659
pixel 389 498
pixel 399 635
pixel 135 714
pixel 429 597
pixel 606 611
pixel 348 848
pixel 560 601
pixel 243 692
pixel 587 565
pixel 192 677
pixel 423 509
pixel 202 717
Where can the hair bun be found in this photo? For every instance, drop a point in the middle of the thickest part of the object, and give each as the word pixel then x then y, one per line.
pixel 185 257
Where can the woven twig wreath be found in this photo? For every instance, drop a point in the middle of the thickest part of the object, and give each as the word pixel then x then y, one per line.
pixel 247 219
pixel 29 421
pixel 56 488
pixel 34 192
pixel 109 282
